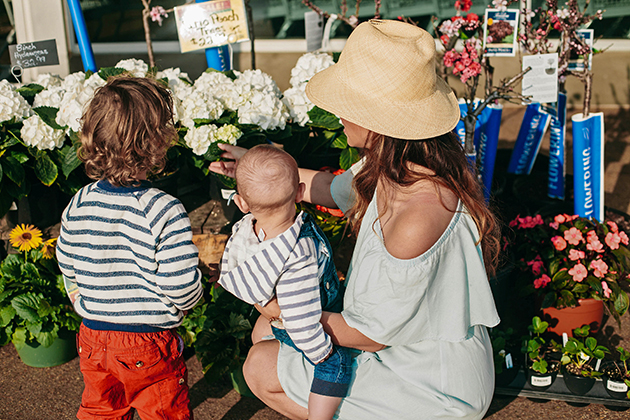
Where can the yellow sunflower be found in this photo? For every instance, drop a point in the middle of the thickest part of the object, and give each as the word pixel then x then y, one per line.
pixel 25 237
pixel 49 248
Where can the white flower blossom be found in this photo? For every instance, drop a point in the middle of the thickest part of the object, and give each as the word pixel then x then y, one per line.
pixel 450 28
pixel 137 68
pixel 264 110
pixel 229 133
pixel 49 97
pixel 174 77
pixel 48 80
pixel 257 80
pixel 73 104
pixel 298 104
pixel 36 133
pixel 200 138
pixel 94 81
pixel 563 13
pixel 12 104
pixel 73 80
pixel 500 5
pixel 197 104
pixel 308 65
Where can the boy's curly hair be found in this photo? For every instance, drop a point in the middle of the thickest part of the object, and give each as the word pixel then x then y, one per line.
pixel 127 130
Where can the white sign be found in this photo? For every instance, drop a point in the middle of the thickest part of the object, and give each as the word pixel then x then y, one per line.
pixel 211 24
pixel 541 82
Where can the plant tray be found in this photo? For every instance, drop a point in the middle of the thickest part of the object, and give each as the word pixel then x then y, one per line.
pixel 558 391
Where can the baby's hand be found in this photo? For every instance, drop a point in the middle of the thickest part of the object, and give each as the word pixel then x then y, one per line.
pixel 228 168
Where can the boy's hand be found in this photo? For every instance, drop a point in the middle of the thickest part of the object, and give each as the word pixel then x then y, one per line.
pixel 270 310
pixel 228 168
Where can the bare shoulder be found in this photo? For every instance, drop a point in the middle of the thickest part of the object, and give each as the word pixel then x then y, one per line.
pixel 418 223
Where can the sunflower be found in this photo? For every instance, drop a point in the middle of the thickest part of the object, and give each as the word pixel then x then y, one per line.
pixel 49 248
pixel 25 237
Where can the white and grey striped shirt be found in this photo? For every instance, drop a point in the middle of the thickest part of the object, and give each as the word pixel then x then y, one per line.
pixel 130 252
pixel 285 266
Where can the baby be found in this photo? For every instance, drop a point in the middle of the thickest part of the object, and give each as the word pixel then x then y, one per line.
pixel 274 252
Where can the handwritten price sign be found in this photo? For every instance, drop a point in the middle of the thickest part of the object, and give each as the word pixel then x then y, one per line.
pixel 211 24
pixel 34 54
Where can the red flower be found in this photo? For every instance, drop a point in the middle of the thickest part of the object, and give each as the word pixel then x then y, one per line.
pixel 472 17
pixel 332 212
pixel 463 5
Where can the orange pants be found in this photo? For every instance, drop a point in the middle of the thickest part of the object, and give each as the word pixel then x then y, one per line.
pixel 125 370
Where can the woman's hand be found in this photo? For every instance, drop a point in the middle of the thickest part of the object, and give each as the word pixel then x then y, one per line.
pixel 228 168
pixel 270 310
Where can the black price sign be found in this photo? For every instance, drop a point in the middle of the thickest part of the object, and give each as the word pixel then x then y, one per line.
pixel 34 54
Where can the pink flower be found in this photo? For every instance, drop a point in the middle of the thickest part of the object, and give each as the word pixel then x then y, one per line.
pixel 575 255
pixel 599 267
pixel 612 240
pixel 554 225
pixel 559 243
pixel 158 14
pixel 450 57
pixel 579 272
pixel 595 245
pixel 624 237
pixel 607 290
pixel 559 218
pixel 536 265
pixel 613 226
pixel 530 222
pixel 573 236
pixel 542 281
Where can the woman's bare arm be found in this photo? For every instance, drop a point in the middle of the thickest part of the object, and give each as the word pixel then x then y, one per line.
pixel 318 187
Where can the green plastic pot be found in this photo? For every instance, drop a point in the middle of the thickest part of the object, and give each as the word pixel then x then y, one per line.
pixel 239 384
pixel 61 351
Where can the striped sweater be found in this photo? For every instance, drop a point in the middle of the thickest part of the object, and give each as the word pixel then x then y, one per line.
pixel 286 266
pixel 129 252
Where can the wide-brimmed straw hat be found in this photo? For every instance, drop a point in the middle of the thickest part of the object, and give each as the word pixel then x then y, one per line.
pixel 385 81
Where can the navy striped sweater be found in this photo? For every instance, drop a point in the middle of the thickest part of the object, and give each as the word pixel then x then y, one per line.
pixel 127 256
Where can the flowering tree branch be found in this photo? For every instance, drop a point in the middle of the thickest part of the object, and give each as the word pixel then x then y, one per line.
pixel 352 20
pixel 156 14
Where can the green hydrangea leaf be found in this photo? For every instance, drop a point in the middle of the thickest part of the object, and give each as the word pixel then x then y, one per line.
pixel 45 169
pixel 48 114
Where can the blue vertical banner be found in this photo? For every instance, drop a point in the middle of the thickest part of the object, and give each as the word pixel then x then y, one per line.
pixel 83 39
pixel 488 144
pixel 218 58
pixel 533 128
pixel 557 151
pixel 588 165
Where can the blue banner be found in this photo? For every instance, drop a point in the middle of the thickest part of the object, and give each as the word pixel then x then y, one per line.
pixel 488 144
pixel 533 127
pixel 557 152
pixel 588 165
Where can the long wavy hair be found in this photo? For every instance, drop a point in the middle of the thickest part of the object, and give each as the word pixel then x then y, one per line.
pixel 127 130
pixel 387 159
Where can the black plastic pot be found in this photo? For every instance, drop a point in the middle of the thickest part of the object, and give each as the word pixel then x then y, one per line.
pixel 578 385
pixel 540 381
pixel 617 389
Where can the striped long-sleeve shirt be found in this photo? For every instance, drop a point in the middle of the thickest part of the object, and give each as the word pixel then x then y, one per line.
pixel 285 266
pixel 129 251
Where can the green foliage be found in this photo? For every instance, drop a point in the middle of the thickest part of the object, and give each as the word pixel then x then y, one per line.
pixel 503 342
pixel 536 347
pixel 581 352
pixel 34 306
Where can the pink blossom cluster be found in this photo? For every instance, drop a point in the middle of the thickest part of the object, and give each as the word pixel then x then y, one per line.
pixel 527 222
pixel 464 63
pixel 463 5
pixel 158 13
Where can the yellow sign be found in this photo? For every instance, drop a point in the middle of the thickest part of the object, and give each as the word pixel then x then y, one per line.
pixel 211 24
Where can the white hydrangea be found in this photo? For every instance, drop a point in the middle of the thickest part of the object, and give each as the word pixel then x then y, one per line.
pixel 94 81
pixel 73 80
pixel 12 104
pixel 174 77
pixel 221 87
pixel 49 97
pixel 200 138
pixel 72 106
pixel 48 80
pixel 197 104
pixel 265 110
pixel 308 65
pixel 229 133
pixel 137 68
pixel 298 104
pixel 36 133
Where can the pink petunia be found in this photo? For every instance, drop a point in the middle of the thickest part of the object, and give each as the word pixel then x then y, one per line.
pixel 542 281
pixel 624 237
pixel 607 290
pixel 612 240
pixel 599 267
pixel 559 243
pixel 613 226
pixel 579 272
pixel 575 255
pixel 573 236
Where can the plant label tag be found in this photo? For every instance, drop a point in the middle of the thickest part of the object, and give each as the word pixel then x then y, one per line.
pixel 314 30
pixel 599 362
pixel 617 386
pixel 508 361
pixel 500 29
pixel 541 82
pixel 541 380
pixel 565 339
pixel 34 54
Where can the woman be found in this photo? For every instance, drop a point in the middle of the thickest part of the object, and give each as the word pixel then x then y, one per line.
pixel 417 300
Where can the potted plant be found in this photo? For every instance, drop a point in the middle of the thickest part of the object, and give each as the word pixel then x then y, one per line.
pixel 616 376
pixel 541 367
pixel 35 312
pixel 578 356
pixel 504 350
pixel 574 265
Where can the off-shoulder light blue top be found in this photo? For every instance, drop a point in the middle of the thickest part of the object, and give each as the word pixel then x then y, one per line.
pixel 431 311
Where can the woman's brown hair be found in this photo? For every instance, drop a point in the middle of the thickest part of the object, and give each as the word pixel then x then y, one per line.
pixel 387 159
pixel 127 130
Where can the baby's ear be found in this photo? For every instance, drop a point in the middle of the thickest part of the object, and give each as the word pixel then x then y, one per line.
pixel 241 204
pixel 299 196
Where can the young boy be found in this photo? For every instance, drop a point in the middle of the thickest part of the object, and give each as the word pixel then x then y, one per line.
pixel 127 257
pixel 273 252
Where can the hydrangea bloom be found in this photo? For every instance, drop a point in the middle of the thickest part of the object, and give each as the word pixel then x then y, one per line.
pixel 200 138
pixel 199 105
pixel 298 104
pixel 264 110
pixel 36 133
pixel 229 134
pixel 175 77
pixel 136 67
pixel 76 98
pixel 308 65
pixel 48 80
pixel 49 97
pixel 12 104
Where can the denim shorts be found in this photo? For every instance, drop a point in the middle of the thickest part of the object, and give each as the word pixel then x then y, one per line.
pixel 332 376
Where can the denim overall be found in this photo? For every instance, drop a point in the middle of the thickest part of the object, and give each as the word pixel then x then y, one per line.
pixel 332 376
